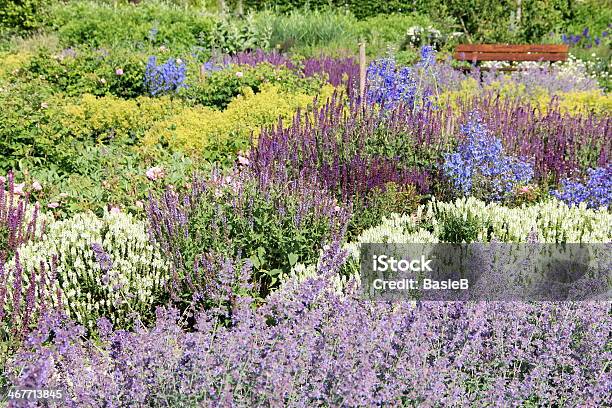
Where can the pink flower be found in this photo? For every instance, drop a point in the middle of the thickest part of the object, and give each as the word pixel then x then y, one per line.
pixel 115 210
pixel 139 204
pixel 53 205
pixel 525 189
pixel 243 160
pixel 2 179
pixel 19 188
pixel 36 185
pixel 155 173
pixel 119 71
pixel 239 74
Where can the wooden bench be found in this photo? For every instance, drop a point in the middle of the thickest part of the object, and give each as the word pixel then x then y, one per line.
pixel 502 52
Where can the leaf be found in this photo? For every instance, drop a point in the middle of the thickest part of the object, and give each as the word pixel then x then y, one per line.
pixel 293 258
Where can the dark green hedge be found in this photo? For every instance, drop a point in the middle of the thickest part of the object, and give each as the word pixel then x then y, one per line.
pixel 482 20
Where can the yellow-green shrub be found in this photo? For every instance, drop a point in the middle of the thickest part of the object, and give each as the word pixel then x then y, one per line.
pixel 90 116
pixel 572 102
pixel 208 132
pixel 583 101
pixel 9 62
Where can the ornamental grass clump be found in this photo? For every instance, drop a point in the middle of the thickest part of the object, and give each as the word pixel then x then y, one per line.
pixel 105 267
pixel 480 167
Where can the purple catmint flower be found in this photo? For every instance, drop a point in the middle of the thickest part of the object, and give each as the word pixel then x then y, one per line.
pixel 102 258
pixel 309 346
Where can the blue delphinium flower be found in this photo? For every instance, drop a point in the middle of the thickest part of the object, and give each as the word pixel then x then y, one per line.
pixel 389 85
pixel 166 78
pixel 595 192
pixel 480 165
pixel 428 55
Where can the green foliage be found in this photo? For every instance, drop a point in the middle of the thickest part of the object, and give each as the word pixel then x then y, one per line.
pixel 231 36
pixel 146 24
pixel 104 176
pixel 19 16
pixel 380 203
pixel 480 20
pixel 237 220
pixel 76 71
pixel 216 89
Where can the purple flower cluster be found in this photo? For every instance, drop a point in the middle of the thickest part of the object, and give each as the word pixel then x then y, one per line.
pixel 557 143
pixel 259 56
pixel 596 191
pixel 102 258
pixel 308 346
pixel 389 85
pixel 338 71
pixel 15 228
pixel 329 148
pixel 584 39
pixel 481 164
pixel 24 296
pixel 166 78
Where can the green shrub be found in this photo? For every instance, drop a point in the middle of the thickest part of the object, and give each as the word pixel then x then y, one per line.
pixel 123 282
pixel 76 71
pixel 19 16
pixel 146 24
pixel 380 203
pixel 218 88
pixel 231 216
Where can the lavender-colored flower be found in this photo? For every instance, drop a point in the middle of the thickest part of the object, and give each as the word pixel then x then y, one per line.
pixel 309 346
pixel 16 227
pixel 102 257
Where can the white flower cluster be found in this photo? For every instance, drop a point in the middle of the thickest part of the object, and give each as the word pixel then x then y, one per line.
pixel 122 287
pixel 574 70
pixel 300 273
pixel 547 222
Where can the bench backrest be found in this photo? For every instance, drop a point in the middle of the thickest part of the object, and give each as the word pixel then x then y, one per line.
pixel 501 52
